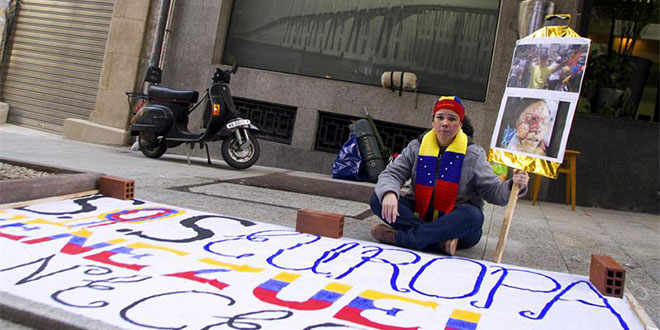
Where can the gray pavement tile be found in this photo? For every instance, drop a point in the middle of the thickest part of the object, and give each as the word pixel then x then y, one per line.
pixel 325 177
pixel 562 212
pixel 240 209
pixel 360 229
pixel 489 231
pixel 568 235
pixel 651 264
pixel 167 182
pixel 282 198
pixel 6 325
pixel 22 313
pixel 630 233
pixel 524 209
pixel 56 151
pixel 529 241
pixel 645 290
pixel 539 253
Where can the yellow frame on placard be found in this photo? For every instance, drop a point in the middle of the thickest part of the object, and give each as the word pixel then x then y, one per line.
pixel 530 164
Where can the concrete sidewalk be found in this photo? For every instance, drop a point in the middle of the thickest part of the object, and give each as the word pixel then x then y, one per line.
pixel 546 236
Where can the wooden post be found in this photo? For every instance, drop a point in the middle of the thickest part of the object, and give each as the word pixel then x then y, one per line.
pixel 508 214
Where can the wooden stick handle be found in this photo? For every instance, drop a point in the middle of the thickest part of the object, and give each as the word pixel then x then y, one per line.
pixel 508 214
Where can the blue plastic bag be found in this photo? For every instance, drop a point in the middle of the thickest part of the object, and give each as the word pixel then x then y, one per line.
pixel 347 163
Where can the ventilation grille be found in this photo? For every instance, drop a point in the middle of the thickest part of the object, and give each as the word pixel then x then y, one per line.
pixel 276 121
pixel 333 132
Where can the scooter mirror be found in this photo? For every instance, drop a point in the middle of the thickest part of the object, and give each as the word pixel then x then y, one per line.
pixel 234 67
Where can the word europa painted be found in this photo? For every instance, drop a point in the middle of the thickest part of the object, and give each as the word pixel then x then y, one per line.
pixel 413 281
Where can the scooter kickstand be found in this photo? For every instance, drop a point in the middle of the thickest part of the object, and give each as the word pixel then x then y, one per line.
pixel 188 153
pixel 208 155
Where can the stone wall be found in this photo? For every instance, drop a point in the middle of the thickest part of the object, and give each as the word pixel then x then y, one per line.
pixel 120 73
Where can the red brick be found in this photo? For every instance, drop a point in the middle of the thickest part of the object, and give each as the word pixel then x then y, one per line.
pixel 607 275
pixel 320 223
pixel 116 187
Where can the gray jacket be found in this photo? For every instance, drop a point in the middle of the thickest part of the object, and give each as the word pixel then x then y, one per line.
pixel 478 181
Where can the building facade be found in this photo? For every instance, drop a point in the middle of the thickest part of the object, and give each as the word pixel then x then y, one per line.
pixel 308 68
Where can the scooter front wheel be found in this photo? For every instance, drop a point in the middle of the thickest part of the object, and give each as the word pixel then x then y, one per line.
pixel 240 156
pixel 151 146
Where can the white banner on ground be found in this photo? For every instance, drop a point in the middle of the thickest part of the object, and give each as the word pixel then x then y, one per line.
pixel 143 265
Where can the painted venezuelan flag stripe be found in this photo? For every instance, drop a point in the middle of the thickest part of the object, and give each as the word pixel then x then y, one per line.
pixel 463 320
pixel 322 295
pixel 152 214
pixel 46 239
pixel 361 303
pixel 454 324
pixel 325 297
pixel 273 285
pixel 466 315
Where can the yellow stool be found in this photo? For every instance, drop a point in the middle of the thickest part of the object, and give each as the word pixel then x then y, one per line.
pixel 568 167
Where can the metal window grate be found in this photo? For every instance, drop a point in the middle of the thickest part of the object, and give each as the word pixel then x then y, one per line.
pixel 276 121
pixel 333 132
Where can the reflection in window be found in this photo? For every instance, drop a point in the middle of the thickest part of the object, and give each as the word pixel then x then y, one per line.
pixel 447 43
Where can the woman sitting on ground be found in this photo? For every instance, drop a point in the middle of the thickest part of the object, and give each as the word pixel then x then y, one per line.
pixel 451 177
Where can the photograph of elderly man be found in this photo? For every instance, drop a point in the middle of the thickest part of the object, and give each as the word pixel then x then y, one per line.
pixel 532 126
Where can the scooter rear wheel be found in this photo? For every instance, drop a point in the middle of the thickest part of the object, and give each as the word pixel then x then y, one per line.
pixel 237 157
pixel 151 146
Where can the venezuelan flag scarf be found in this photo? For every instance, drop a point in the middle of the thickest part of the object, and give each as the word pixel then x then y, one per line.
pixel 449 174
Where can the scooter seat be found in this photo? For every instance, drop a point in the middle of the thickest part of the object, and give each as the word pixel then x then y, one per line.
pixel 172 95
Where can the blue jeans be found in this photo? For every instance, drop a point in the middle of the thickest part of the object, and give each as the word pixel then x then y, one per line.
pixel 464 223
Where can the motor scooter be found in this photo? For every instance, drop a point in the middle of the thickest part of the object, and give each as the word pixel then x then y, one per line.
pixel 163 122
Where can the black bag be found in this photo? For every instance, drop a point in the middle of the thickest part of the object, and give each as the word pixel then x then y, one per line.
pixel 372 157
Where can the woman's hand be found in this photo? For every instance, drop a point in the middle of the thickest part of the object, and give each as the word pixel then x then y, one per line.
pixel 521 178
pixel 390 209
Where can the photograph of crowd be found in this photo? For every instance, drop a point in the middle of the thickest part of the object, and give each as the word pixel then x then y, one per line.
pixel 552 66
pixel 532 126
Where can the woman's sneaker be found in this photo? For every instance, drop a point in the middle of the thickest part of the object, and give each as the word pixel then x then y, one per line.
pixel 383 233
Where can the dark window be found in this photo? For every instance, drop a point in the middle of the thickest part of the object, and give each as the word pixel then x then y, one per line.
pixel 447 44
pixel 333 132
pixel 275 121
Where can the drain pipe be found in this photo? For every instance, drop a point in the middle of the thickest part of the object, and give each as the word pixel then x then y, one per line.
pixel 160 32
pixel 168 34
pixel 156 51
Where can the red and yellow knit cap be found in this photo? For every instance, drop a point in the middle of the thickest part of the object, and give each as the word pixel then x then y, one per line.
pixel 452 103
